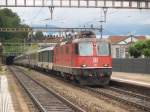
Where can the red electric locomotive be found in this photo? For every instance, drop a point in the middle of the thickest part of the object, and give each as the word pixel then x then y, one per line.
pixel 84 59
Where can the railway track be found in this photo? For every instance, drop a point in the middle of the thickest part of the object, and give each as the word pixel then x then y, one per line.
pixel 136 88
pixel 45 99
pixel 130 93
pixel 129 98
pixel 132 99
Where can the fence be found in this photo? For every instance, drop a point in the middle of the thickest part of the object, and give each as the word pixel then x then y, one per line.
pixel 131 65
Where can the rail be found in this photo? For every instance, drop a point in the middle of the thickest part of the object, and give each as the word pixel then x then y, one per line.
pixel 126 97
pixel 42 96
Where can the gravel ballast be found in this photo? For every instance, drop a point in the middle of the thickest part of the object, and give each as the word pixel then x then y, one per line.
pixel 75 94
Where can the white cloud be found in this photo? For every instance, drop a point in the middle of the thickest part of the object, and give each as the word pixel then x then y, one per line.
pixel 70 17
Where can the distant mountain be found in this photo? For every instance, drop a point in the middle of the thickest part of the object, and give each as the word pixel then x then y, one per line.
pixel 118 29
pixel 115 29
pixel 48 26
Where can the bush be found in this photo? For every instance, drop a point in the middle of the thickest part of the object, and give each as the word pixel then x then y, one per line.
pixel 140 48
pixel 147 42
pixel 146 52
pixel 134 52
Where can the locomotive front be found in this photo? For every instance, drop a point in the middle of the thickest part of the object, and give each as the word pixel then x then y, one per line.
pixel 93 58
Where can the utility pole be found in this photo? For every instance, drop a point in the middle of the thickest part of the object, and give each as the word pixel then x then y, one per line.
pixel 51 9
pixel 101 28
pixel 105 9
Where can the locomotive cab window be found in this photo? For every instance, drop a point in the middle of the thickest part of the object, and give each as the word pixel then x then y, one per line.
pixel 103 48
pixel 85 48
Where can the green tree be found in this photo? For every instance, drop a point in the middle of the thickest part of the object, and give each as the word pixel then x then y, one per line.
pixel 140 45
pixel 147 43
pixel 9 19
pixel 38 35
pixel 140 48
pixel 134 52
pixel 146 51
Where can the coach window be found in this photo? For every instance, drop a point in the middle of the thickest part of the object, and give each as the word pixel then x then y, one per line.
pixel 39 57
pixel 43 56
pixel 76 50
pixel 49 56
pixel 52 55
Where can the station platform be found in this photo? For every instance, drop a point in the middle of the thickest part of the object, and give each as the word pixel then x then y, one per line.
pixel 133 78
pixel 11 97
pixel 6 104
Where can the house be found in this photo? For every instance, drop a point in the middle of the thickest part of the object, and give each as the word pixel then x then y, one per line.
pixel 120 45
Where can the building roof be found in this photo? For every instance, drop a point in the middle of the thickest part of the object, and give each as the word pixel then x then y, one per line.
pixel 141 37
pixel 116 38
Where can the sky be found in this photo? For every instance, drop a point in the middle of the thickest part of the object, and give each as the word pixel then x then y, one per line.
pixel 118 21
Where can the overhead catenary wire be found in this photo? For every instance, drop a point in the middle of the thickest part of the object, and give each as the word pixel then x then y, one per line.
pixel 35 16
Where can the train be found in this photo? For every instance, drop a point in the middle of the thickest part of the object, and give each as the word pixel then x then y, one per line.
pixel 84 59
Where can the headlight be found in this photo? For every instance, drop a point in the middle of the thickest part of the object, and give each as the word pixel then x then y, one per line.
pixel 84 65
pixel 105 65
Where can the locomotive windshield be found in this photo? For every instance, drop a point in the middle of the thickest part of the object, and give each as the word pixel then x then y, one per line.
pixel 85 49
pixel 102 48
